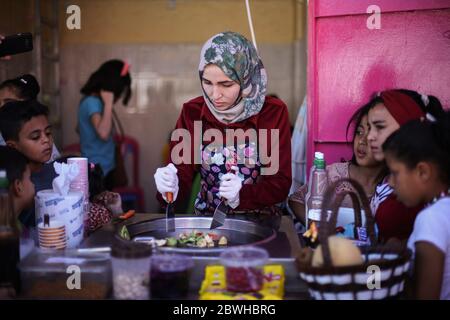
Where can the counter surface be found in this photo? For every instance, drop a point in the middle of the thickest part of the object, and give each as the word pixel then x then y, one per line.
pixel 295 288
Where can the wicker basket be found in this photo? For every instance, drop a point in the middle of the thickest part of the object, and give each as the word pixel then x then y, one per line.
pixel 385 268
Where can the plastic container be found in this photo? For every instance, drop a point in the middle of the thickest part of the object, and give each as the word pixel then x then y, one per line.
pixel 131 270
pixel 244 268
pixel 52 274
pixel 170 276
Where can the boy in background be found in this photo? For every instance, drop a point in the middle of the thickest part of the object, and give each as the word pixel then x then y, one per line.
pixel 25 127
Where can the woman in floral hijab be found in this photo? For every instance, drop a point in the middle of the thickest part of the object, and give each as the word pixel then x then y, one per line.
pixel 238 59
pixel 234 85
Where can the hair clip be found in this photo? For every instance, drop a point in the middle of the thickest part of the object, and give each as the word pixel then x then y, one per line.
pixel 430 117
pixel 23 80
pixel 125 69
pixel 425 99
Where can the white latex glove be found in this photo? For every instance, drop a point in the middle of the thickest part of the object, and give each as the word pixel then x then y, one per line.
pixel 166 180
pixel 230 186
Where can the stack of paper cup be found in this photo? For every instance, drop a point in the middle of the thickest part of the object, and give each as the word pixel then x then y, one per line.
pixel 53 235
pixel 68 209
pixel 81 183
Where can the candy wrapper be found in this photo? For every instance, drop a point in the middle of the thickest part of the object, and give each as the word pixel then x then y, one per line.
pixel 214 285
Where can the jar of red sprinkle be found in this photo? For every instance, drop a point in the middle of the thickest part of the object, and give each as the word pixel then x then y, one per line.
pixel 244 268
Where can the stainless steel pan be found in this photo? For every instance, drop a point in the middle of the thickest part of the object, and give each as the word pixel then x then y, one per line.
pixel 238 232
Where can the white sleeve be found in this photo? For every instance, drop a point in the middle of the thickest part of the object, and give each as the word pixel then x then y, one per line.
pixel 55 154
pixel 430 228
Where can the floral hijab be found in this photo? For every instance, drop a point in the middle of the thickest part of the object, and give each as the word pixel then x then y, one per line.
pixel 238 59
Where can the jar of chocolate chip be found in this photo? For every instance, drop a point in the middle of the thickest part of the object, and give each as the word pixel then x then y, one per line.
pixel 170 276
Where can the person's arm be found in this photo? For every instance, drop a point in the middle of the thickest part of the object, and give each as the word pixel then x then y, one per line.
pixel 274 188
pixel 103 122
pixel 296 202
pixel 428 270
pixel 299 210
pixel 185 171
pixel 397 243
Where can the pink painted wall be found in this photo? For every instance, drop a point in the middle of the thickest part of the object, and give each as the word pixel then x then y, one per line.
pixel 347 62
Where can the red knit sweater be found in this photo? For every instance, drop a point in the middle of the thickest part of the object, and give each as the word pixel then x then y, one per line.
pixel 394 219
pixel 270 189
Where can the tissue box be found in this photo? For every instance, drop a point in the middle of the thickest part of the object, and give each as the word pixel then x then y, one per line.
pixel 214 285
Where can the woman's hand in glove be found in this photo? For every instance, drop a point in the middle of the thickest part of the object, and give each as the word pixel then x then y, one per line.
pixel 166 180
pixel 230 186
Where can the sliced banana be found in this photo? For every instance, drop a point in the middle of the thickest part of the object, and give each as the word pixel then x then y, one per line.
pixel 223 241
pixel 161 242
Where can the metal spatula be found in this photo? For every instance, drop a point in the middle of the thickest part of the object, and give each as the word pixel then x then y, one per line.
pixel 170 216
pixel 220 214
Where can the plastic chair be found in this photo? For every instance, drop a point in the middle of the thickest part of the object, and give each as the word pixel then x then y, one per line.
pixel 133 192
pixel 71 149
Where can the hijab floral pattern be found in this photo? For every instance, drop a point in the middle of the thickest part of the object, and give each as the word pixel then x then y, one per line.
pixel 238 59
